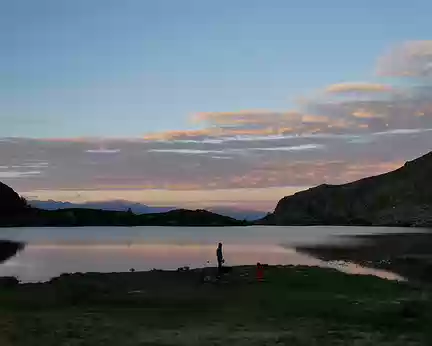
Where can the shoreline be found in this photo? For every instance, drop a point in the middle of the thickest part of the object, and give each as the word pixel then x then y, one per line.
pixel 406 254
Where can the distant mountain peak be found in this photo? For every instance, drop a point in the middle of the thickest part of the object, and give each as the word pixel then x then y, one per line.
pixel 138 208
pixel 111 205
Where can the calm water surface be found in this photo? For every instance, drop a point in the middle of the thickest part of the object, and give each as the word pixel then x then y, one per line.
pixel 50 252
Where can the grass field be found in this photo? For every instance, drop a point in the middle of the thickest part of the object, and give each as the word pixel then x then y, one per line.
pixel 294 306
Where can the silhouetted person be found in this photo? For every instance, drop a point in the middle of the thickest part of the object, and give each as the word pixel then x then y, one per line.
pixel 220 258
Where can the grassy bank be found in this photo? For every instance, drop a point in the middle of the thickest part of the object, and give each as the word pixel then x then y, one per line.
pixel 294 306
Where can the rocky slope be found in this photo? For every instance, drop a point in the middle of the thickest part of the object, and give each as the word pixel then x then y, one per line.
pixel 399 198
pixel 13 208
pixel 10 202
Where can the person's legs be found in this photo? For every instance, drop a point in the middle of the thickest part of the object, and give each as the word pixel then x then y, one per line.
pixel 219 269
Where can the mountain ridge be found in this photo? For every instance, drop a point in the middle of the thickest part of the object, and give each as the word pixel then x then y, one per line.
pixel 17 212
pixel 402 197
pixel 139 208
pixel 111 205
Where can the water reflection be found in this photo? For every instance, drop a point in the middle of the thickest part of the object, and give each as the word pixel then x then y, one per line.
pixel 353 268
pixel 42 262
pixel 51 252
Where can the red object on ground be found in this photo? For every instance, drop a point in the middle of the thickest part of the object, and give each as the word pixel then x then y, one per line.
pixel 260 272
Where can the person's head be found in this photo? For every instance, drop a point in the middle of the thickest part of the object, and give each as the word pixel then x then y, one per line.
pixel 220 245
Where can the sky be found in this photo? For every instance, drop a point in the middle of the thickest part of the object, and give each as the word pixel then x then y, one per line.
pixel 209 103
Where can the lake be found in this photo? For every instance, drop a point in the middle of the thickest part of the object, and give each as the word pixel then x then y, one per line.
pixel 50 252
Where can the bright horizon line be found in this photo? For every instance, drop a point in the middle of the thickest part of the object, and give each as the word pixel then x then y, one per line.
pixel 260 199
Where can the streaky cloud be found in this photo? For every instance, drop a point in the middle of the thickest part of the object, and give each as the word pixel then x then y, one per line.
pixel 19 174
pixel 103 151
pixel 356 87
pixel 186 151
pixel 294 148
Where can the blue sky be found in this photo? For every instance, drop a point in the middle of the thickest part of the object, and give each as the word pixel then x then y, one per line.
pixel 124 68
pixel 170 102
